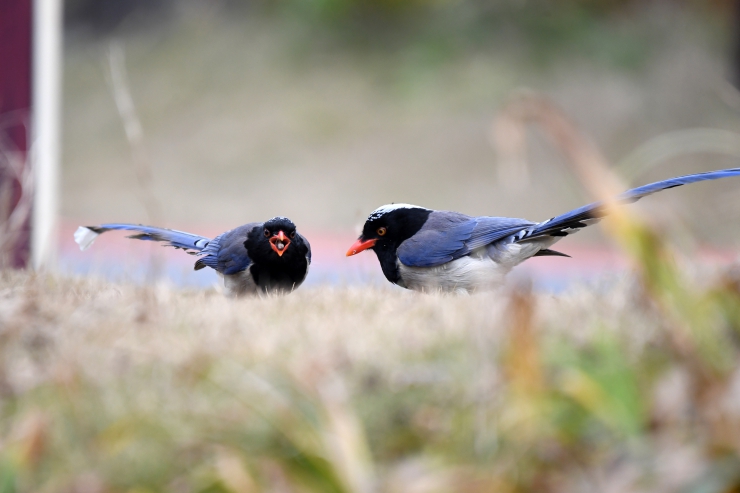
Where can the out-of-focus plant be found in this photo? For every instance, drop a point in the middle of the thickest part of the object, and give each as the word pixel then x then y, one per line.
pixel 696 321
pixel 16 192
pixel 601 30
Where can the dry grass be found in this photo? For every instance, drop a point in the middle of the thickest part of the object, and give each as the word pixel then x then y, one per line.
pixel 122 388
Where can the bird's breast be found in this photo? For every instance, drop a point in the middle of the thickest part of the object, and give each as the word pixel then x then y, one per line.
pixel 239 284
pixel 466 274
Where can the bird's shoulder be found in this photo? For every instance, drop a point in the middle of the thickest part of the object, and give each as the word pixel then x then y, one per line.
pixel 226 252
pixel 441 236
pixel 448 235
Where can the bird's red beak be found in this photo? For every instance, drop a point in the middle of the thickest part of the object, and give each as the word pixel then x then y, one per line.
pixel 360 246
pixel 279 243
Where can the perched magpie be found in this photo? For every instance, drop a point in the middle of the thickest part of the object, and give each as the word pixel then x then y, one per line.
pixel 253 258
pixel 428 250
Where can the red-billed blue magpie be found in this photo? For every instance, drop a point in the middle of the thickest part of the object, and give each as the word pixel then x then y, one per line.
pixel 428 250
pixel 253 258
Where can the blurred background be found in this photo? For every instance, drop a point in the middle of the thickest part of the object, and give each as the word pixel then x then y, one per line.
pixel 323 110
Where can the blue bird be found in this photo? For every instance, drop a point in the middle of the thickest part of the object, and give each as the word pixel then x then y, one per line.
pixel 253 258
pixel 427 250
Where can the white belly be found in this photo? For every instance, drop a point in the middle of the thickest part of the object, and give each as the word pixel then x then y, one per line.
pixel 483 270
pixel 464 275
pixel 239 284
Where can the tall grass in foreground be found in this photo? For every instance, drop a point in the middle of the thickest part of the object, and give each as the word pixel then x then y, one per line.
pixel 633 386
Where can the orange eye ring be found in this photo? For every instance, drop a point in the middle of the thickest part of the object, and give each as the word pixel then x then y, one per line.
pixel 382 231
pixel 267 233
pixel 292 235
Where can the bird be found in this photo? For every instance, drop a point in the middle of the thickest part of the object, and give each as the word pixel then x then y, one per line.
pixel 430 250
pixel 255 258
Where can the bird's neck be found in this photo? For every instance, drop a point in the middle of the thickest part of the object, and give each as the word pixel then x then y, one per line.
pixel 388 262
pixel 280 273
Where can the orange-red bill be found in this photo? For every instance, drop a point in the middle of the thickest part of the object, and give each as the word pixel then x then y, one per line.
pixel 279 243
pixel 360 246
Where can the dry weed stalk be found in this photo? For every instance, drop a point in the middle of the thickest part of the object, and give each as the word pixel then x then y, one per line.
pixel 587 162
pixel 142 164
pixel 14 168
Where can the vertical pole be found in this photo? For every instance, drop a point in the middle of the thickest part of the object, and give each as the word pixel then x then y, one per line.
pixel 15 107
pixel 47 53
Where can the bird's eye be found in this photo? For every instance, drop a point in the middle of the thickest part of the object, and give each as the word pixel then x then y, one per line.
pixel 382 231
pixel 292 235
pixel 267 233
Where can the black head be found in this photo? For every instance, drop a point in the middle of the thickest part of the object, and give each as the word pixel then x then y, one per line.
pixel 384 231
pixel 279 254
pixel 279 232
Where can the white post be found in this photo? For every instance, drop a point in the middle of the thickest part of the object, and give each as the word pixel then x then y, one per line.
pixel 45 111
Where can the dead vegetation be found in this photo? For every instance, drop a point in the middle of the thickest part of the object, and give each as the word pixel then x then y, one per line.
pixel 107 388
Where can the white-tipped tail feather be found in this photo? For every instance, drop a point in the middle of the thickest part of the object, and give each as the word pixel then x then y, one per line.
pixel 85 237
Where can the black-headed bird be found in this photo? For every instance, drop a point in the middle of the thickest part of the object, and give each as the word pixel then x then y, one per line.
pixel 253 258
pixel 427 250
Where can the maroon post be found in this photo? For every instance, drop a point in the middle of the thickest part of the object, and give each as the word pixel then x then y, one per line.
pixel 15 111
pixel 735 68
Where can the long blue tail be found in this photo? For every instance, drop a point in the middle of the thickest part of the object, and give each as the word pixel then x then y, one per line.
pixel 85 235
pixel 576 219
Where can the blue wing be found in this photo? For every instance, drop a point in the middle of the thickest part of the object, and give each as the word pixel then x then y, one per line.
pixel 491 229
pixel 226 253
pixel 85 235
pixel 588 214
pixel 447 236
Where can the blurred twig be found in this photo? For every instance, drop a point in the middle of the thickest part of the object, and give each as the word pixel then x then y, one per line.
pixel 584 157
pixel 118 83
pixel 142 164
pixel 14 167
pixel 344 436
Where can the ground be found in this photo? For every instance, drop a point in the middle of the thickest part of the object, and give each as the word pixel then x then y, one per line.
pixel 115 387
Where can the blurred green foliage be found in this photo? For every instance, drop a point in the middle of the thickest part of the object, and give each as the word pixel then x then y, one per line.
pixel 600 30
pixel 606 31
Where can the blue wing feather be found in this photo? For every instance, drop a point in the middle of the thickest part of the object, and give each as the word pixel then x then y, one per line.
pixel 491 229
pixel 574 219
pixel 225 253
pixel 443 234
pixel 447 236
pixel 171 237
